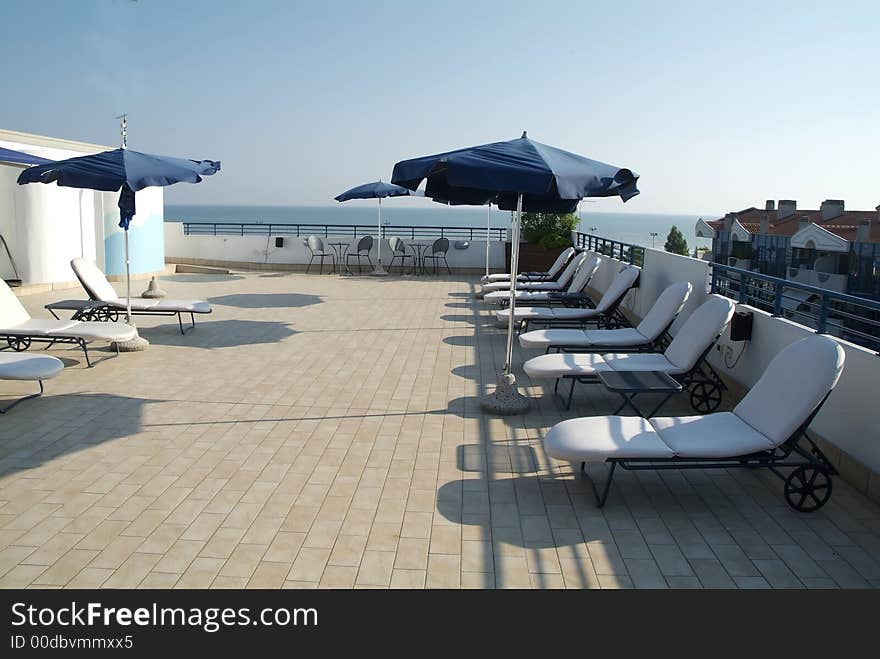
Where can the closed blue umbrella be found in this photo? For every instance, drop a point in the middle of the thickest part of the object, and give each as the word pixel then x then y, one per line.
pixel 124 170
pixel 520 175
pixel 375 190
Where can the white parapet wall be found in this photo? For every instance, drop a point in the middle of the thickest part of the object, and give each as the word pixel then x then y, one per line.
pixel 261 252
pixel 846 421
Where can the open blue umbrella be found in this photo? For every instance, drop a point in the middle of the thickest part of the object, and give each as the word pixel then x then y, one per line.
pixel 20 158
pixel 517 175
pixel 124 170
pixel 375 190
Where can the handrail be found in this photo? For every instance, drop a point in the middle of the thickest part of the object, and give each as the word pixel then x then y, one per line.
pixel 856 319
pixel 627 252
pixel 208 228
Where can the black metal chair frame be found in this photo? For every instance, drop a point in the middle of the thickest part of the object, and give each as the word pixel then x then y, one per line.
pixel 437 255
pixel 702 381
pixel 359 254
pixel 403 256
pixel 4 410
pixel 799 487
pixel 21 342
pixel 322 255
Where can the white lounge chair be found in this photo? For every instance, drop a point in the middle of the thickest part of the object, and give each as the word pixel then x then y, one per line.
pixel 20 330
pixel 98 288
pixel 560 283
pixel 683 359
pixel 764 430
pixel 30 368
pixel 646 336
pixel 606 311
pixel 554 270
pixel 589 263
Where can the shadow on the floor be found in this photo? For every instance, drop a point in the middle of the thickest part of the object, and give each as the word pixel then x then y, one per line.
pixel 507 458
pixel 458 305
pixel 220 333
pixel 196 278
pixel 468 371
pixel 266 300
pixel 459 318
pixel 68 423
pixel 459 340
pixel 458 294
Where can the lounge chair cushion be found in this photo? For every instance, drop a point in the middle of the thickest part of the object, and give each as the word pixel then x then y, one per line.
pixel 619 286
pixel 11 310
pixel 558 365
pixel 37 327
pixel 794 383
pixel 26 366
pixel 664 310
pixel 549 314
pixel 718 435
pixel 93 331
pixel 597 438
pixel 98 288
pixel 550 273
pixel 699 331
pixel 576 338
pixel 556 285
pixel 496 297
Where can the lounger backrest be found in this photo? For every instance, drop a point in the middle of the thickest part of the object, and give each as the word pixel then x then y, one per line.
pixel 664 311
pixel 795 382
pixel 11 310
pixel 584 273
pixel 620 285
pixel 699 332
pixel 93 280
pixel 560 262
pixel 568 273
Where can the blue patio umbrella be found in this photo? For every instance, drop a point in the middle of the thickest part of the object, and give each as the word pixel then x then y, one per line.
pixel 520 175
pixel 376 190
pixel 126 171
pixel 20 158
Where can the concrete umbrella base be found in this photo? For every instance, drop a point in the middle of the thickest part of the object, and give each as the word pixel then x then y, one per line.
pixel 379 272
pixel 505 399
pixel 136 344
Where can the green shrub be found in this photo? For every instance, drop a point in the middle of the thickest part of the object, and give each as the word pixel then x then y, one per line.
pixel 550 230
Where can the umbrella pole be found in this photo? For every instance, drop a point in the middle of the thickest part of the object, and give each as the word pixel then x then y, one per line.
pixel 379 271
pixel 127 282
pixel 488 229
pixel 506 399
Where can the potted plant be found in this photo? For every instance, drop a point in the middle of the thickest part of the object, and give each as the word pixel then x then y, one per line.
pixel 545 235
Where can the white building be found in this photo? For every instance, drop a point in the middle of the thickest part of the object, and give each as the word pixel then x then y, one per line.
pixel 45 226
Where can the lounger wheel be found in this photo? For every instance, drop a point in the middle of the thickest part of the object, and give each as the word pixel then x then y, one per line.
pixel 808 488
pixel 19 344
pixel 705 397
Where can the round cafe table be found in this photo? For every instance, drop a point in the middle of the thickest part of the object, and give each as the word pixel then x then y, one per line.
pixel 341 249
pixel 419 250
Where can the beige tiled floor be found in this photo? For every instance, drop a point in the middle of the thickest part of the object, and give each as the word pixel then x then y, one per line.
pixel 320 431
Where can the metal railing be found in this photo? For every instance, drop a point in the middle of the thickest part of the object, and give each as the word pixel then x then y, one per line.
pixel 855 319
pixel 626 252
pixel 341 230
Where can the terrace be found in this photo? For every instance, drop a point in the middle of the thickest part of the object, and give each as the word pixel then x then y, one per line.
pixel 325 431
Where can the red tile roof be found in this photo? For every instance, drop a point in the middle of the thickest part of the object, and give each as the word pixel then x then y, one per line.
pixel 845 225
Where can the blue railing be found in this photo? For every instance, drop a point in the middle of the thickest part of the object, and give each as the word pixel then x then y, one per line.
pixel 626 252
pixel 341 230
pixel 849 317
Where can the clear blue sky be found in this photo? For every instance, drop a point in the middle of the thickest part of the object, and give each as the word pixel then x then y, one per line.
pixel 717 105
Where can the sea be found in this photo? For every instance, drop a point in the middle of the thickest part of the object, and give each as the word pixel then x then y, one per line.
pixel 635 228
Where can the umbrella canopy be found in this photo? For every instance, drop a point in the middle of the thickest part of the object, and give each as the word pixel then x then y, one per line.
pixel 120 169
pixel 549 179
pixel 124 170
pixel 521 175
pixel 19 158
pixel 374 190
